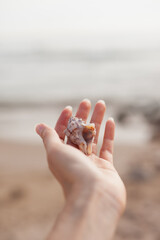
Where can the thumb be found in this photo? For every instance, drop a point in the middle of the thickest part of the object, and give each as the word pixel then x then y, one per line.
pixel 48 135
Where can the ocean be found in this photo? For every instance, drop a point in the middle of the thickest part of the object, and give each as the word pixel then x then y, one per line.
pixel 35 85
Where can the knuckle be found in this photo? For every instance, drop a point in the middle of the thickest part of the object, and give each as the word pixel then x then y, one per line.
pixel 45 133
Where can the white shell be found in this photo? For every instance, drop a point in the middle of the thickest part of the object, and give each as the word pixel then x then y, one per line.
pixel 74 132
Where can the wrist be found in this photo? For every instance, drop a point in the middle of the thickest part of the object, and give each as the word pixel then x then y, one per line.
pixel 95 193
pixel 89 213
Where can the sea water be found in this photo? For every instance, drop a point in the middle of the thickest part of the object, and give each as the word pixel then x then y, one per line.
pixel 34 85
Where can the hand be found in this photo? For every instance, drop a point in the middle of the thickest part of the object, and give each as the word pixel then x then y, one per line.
pixel 73 169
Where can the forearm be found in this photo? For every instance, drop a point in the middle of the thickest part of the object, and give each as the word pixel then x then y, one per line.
pixel 89 214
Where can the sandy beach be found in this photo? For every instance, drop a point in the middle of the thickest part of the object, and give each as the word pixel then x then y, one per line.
pixel 30 197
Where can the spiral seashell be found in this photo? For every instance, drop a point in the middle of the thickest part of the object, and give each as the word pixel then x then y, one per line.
pixel 81 134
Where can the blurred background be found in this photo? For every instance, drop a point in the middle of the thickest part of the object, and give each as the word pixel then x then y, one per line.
pixel 56 53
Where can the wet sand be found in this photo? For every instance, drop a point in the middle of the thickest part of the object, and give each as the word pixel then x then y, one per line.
pixel 30 198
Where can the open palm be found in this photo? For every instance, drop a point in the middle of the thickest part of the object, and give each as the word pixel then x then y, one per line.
pixel 70 166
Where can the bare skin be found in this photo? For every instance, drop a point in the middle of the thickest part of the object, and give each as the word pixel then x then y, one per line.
pixel 95 194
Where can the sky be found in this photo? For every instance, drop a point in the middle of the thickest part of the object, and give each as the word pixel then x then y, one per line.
pixel 63 20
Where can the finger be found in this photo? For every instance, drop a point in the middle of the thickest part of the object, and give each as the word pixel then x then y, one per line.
pixel 84 109
pixel 97 118
pixel 48 135
pixel 106 151
pixel 62 122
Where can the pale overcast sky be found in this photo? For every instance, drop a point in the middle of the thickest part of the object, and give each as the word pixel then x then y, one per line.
pixel 29 19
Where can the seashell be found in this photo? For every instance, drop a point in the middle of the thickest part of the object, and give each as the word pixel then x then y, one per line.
pixel 81 134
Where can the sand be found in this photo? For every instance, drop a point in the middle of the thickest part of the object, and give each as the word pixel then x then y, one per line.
pixel 30 197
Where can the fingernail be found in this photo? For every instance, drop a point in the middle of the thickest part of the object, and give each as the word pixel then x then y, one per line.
pixel 111 119
pixel 39 129
pixel 69 108
pixel 101 101
pixel 86 100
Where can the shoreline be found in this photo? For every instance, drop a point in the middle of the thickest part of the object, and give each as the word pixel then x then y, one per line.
pixel 134 121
